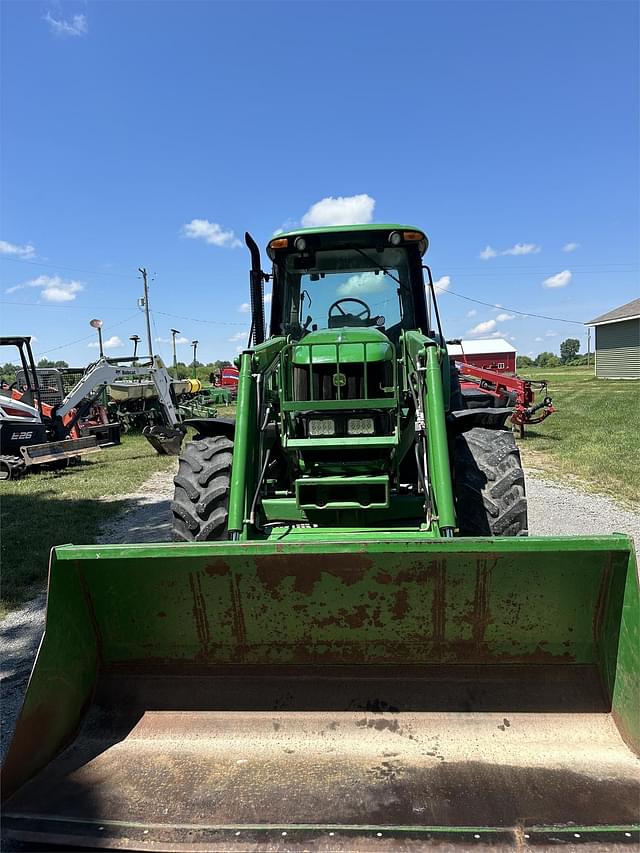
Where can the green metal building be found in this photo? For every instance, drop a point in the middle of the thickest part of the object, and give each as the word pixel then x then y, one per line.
pixel 618 342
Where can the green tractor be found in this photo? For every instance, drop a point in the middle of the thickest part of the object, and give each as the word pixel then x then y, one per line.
pixel 350 417
pixel 353 645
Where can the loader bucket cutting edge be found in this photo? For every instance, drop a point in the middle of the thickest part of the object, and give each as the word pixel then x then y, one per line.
pixel 445 689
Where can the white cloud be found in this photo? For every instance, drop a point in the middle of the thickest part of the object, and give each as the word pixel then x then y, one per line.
pixel 518 249
pixel 560 279
pixel 522 249
pixel 471 312
pixel 244 308
pixel 78 25
pixel 54 288
pixel 502 318
pixel 483 328
pixel 361 283
pixel 551 334
pixel 442 283
pixel 343 210
pixel 538 340
pixel 267 298
pixel 27 251
pixel 570 247
pixel 488 253
pixel 210 232
pixel 239 349
pixel 113 342
pixel 180 340
pixel 239 336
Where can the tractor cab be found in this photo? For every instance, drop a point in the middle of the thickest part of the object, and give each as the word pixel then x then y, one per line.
pixel 366 276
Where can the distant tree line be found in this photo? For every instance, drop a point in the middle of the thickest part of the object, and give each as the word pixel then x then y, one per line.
pixel 569 356
pixel 203 371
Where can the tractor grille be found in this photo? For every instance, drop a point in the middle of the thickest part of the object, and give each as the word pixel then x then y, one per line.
pixel 360 381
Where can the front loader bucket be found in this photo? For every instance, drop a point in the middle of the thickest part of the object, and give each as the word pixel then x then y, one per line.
pixel 335 695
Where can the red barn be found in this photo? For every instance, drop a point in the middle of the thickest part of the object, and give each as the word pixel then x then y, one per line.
pixel 494 353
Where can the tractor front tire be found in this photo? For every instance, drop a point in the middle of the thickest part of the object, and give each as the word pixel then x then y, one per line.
pixel 489 484
pixel 201 499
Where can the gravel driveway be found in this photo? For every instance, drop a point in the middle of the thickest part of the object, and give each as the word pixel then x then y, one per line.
pixel 554 509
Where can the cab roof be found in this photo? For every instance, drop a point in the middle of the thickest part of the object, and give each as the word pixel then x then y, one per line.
pixel 381 227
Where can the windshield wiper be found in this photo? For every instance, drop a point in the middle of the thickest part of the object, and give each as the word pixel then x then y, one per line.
pixel 381 268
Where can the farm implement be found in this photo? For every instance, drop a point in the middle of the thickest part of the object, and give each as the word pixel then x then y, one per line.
pixel 40 426
pixel 353 644
pixel 482 387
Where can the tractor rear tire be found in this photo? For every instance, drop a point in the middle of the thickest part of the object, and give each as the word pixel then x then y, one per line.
pixel 201 500
pixel 489 484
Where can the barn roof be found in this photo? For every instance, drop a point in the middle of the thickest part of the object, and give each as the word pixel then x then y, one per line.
pixel 625 312
pixel 481 346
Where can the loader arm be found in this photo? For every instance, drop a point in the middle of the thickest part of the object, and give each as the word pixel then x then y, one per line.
pixel 165 439
pixel 105 371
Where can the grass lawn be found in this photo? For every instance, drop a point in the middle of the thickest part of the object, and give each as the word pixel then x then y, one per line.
pixel 56 507
pixel 593 437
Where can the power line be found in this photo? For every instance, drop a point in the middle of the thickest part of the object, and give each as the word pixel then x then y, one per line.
pixel 200 320
pixel 69 269
pixel 121 308
pixel 73 307
pixel 505 308
pixel 606 267
pixel 87 337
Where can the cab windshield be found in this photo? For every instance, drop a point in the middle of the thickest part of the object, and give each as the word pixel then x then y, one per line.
pixel 346 288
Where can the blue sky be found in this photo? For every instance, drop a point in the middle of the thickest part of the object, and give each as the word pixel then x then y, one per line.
pixel 155 133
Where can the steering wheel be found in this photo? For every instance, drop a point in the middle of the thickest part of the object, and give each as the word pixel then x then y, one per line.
pixel 364 315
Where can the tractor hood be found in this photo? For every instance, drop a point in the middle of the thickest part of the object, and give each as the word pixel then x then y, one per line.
pixel 349 345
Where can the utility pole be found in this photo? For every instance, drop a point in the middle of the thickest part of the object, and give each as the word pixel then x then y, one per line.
pixel 143 271
pixel 174 332
pixel 136 341
pixel 194 344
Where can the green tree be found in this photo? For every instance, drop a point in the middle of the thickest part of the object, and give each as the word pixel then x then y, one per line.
pixel 569 349
pixel 524 361
pixel 547 359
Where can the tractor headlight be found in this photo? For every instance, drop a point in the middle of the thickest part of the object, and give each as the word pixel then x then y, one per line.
pixel 360 426
pixel 322 428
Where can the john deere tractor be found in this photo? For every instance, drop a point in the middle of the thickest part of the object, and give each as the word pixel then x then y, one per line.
pixel 350 417
pixel 353 645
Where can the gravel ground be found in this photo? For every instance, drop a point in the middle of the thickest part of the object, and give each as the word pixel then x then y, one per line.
pixel 554 509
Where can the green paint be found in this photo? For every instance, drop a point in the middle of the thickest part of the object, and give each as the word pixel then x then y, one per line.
pixel 347 346
pixel 352 229
pixel 243 446
pixel 437 442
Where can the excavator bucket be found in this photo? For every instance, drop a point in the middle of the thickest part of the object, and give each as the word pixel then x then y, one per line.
pixel 334 695
pixel 165 440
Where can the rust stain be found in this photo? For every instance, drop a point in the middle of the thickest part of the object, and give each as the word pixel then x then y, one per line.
pixel 239 627
pixel 401 604
pixel 603 598
pixel 438 608
pixel 217 568
pixel 307 570
pixel 481 616
pixel 200 612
